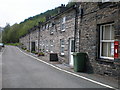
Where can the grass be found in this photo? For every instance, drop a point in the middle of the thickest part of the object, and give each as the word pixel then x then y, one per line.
pixel 13 44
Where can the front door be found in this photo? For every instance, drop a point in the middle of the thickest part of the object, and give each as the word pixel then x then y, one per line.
pixel 32 46
pixel 71 50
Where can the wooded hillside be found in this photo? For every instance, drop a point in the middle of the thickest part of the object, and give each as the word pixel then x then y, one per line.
pixel 11 34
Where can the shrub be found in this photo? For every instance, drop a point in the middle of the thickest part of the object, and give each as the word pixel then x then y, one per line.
pixel 33 52
pixel 41 54
pixel 36 52
pixel 24 48
pixel 28 50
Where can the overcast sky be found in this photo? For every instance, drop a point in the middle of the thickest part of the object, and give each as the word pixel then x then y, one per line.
pixel 15 11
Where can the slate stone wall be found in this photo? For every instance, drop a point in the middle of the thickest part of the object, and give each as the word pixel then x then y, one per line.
pixel 95 14
pixel 57 35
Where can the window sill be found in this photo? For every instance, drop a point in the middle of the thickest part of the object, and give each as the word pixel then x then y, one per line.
pixel 105 60
pixel 63 30
pixel 51 33
pixel 103 4
pixel 62 54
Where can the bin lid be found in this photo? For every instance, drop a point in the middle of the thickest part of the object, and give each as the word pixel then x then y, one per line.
pixel 79 53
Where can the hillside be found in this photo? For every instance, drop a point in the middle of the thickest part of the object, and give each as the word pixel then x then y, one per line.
pixel 11 34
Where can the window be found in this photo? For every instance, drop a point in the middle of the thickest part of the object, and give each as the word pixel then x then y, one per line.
pixel 107 41
pixel 50 25
pixel 46 26
pixel 63 24
pixel 47 48
pixel 51 46
pixel 52 29
pixel 43 27
pixel 62 45
pixel 105 1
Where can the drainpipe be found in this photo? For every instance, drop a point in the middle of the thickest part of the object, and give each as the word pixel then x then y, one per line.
pixel 38 38
pixel 76 25
pixel 39 24
pixel 29 39
pixel 80 23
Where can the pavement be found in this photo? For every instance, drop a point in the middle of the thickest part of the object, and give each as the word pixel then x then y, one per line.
pixel 22 71
pixel 1 51
pixel 1 68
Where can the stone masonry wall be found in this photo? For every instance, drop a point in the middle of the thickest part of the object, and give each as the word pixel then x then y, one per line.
pixel 93 17
pixel 45 35
pixel 34 38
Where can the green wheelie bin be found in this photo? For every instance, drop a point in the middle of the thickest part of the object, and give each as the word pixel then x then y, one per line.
pixel 79 62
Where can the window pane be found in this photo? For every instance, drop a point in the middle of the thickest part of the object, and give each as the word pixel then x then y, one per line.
pixel 106 32
pixel 62 50
pixel 102 30
pixel 110 49
pixel 62 26
pixel 72 46
pixel 62 43
pixel 104 49
pixel 63 20
pixel 112 32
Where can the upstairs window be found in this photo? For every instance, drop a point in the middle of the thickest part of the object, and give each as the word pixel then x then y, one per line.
pixel 63 20
pixel 52 29
pixel 47 26
pixel 46 46
pixel 50 25
pixel 107 41
pixel 51 46
pixel 105 1
pixel 62 46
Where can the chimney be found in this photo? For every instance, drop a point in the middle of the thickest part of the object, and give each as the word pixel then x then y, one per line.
pixel 47 17
pixel 62 8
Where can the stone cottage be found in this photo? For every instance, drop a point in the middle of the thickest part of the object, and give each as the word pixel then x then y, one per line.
pixel 57 34
pixel 89 27
pixel 99 28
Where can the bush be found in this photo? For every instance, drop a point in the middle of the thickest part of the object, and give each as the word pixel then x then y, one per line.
pixel 28 50
pixel 24 48
pixel 41 54
pixel 36 52
pixel 33 52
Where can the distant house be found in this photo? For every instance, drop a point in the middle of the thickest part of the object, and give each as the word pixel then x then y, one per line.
pixel 1 34
pixel 86 27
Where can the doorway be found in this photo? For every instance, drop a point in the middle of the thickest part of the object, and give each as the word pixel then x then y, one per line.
pixel 32 46
pixel 71 50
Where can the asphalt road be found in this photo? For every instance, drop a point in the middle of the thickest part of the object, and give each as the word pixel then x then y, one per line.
pixel 21 71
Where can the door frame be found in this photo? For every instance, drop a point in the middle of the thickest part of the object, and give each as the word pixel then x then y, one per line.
pixel 70 54
pixel 32 46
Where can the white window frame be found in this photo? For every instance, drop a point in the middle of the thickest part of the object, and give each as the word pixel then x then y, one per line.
pixel 63 21
pixel 62 45
pixel 46 26
pixel 107 41
pixel 50 25
pixel 51 46
pixel 105 1
pixel 52 29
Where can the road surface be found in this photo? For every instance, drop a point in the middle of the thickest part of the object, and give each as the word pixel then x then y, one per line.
pixel 21 71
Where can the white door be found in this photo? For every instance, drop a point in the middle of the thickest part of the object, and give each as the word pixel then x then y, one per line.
pixel 71 50
pixel 36 45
